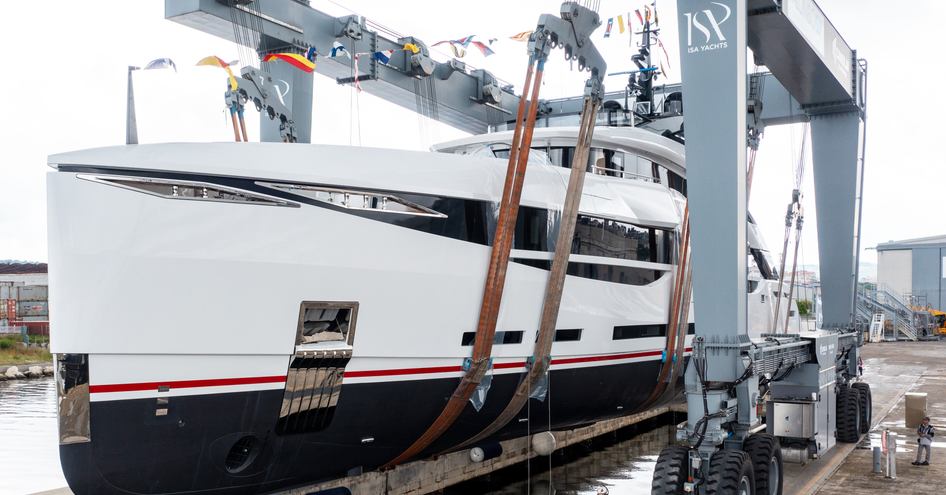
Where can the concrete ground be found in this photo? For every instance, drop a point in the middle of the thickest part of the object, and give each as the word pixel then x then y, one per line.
pixel 892 369
pixel 923 364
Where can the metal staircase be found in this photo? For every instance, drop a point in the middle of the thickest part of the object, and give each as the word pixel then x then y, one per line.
pixel 881 300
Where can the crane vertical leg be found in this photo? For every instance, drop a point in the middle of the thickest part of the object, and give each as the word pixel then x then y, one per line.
pixel 297 100
pixel 714 75
pixel 836 144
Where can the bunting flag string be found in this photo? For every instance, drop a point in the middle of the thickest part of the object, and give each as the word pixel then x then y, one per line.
pixel 214 61
pixel 459 46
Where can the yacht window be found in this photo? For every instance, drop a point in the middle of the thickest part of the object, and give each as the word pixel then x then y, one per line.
pixel 501 337
pixel 691 329
pixel 637 167
pixel 536 229
pixel 659 173
pixel 561 156
pixel 766 269
pixel 676 183
pixel 607 162
pixel 624 332
pixel 628 275
pixel 613 239
pixel 536 155
pixel 326 322
pixel 568 335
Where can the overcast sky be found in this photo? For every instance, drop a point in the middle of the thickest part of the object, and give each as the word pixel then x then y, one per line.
pixel 64 89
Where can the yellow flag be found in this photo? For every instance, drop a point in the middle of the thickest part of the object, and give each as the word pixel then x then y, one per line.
pixel 621 23
pixel 410 47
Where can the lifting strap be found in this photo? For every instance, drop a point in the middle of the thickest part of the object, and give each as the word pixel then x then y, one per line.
pixel 677 319
pixel 538 365
pixel 479 363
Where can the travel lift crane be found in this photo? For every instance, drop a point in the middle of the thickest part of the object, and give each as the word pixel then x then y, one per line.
pixel 807 378
pixel 804 380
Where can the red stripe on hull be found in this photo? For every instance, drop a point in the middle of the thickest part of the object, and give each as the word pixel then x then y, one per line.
pixel 220 382
pixel 217 382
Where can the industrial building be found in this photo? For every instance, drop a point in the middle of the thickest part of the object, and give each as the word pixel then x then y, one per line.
pixel 24 304
pixel 914 268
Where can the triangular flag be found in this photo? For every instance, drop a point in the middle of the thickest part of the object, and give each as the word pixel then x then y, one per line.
pixel 639 17
pixel 215 61
pixel 607 30
pixel 621 24
pixel 485 50
pixel 338 50
pixel 523 36
pixel 383 56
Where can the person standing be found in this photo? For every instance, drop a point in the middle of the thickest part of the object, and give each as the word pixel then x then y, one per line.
pixel 925 434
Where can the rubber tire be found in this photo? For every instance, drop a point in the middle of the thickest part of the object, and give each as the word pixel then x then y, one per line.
pixel 849 415
pixel 867 405
pixel 763 449
pixel 727 469
pixel 671 471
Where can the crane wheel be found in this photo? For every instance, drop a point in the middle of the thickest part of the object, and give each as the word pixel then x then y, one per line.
pixel 766 456
pixel 866 405
pixel 730 473
pixel 671 471
pixel 849 415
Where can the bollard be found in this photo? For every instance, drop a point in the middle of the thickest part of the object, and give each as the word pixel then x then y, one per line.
pixel 877 464
pixel 891 455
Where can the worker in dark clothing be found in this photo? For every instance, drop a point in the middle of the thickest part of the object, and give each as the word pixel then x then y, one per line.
pixel 925 434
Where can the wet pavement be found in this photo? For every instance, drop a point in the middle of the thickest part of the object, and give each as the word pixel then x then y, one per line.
pixel 922 367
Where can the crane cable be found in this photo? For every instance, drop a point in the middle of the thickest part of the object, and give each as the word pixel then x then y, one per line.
pixel 479 364
pixel 794 213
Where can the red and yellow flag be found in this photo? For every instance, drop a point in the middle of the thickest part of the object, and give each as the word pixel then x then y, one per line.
pixel 294 59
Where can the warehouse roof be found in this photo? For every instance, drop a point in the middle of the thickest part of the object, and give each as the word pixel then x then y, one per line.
pixel 19 267
pixel 920 242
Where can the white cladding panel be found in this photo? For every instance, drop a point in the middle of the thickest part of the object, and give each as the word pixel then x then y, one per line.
pixel 895 270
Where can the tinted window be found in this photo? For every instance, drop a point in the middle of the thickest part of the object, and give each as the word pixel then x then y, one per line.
pixel 606 162
pixel 628 275
pixel 502 337
pixel 568 335
pixel 638 331
pixel 561 156
pixel 762 263
pixel 613 239
pixel 536 229
pixel 677 183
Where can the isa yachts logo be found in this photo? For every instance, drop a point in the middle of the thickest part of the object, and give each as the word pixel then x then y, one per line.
pixel 708 24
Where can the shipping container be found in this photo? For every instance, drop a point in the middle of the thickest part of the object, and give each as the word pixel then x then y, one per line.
pixel 32 308
pixel 32 293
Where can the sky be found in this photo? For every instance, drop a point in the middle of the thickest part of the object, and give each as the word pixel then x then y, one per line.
pixel 66 80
